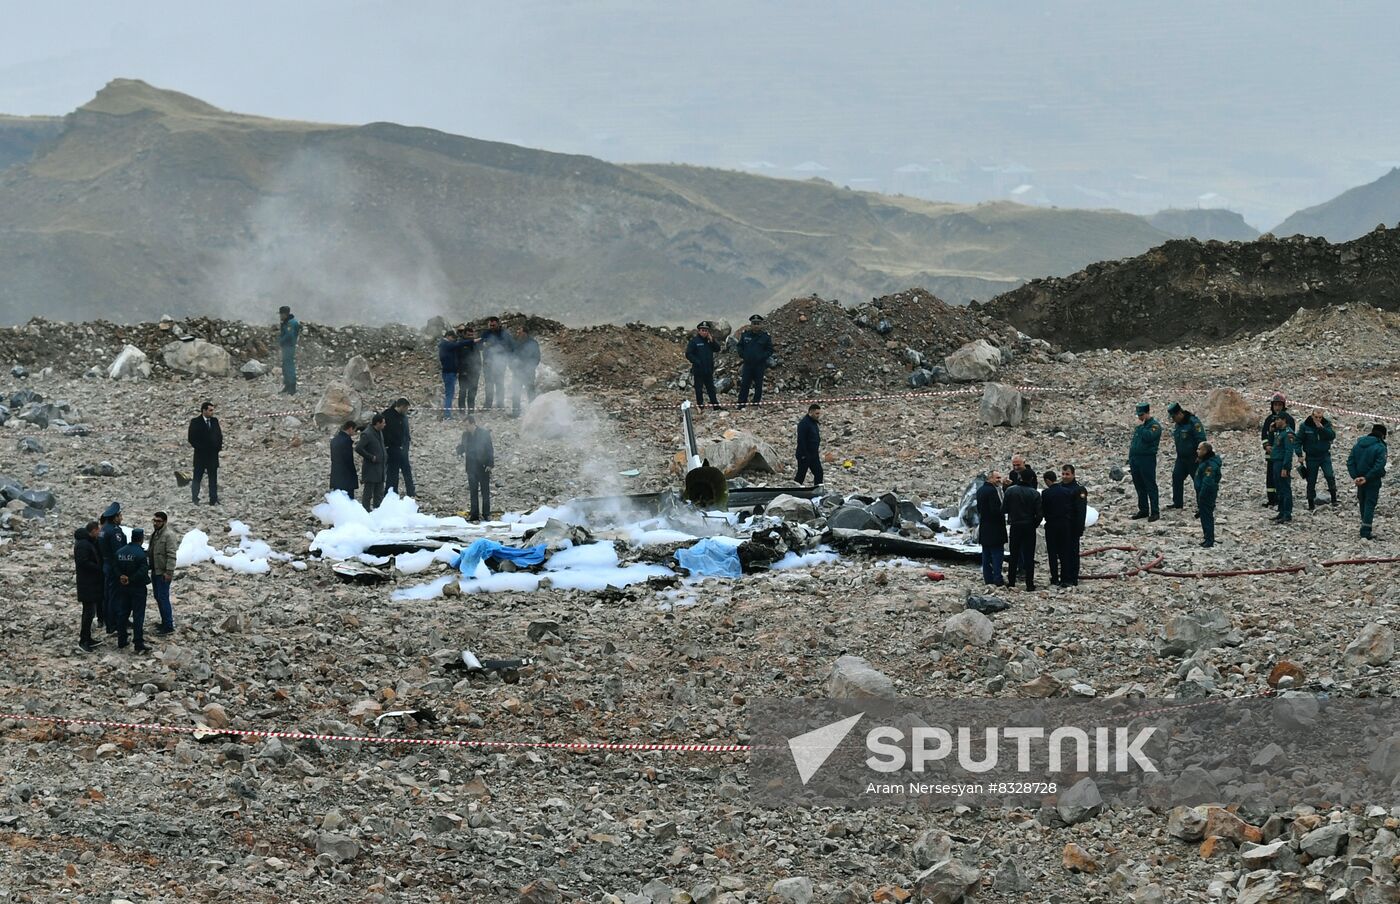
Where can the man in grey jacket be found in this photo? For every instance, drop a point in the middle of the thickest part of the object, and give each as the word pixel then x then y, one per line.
pixel 373 455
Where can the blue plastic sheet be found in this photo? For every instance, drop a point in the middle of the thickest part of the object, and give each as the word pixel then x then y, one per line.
pixel 711 558
pixel 473 555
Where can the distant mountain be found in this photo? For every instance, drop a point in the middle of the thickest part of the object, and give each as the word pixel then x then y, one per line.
pixel 145 202
pixel 1192 223
pixel 1351 214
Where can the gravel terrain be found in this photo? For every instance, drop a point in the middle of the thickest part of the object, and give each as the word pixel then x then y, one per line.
pixel 99 814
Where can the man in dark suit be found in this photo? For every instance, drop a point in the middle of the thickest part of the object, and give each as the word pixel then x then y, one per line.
pixel 207 440
pixel 991 528
pixel 343 476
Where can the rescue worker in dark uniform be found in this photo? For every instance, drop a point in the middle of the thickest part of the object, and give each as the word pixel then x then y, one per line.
pixel 1066 507
pixel 1207 481
pixel 1278 407
pixel 1315 439
pixel 1142 462
pixel 133 575
pixel 1283 448
pixel 700 352
pixel 1187 435
pixel 809 444
pixel 755 348
pixel 109 541
pixel 1366 467
pixel 479 454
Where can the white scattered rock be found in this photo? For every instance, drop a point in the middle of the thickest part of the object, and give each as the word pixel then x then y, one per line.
pixel 974 362
pixel 130 364
pixel 197 357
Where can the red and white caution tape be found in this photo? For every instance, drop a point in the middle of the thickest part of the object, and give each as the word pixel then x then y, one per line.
pixel 200 730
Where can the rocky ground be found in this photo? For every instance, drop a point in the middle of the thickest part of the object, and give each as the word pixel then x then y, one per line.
pixel 96 814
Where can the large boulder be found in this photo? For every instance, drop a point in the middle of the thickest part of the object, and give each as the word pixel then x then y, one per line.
pixel 357 374
pixel 547 379
pixel 853 677
pixel 737 452
pixel 974 362
pixel 130 364
pixel 197 357
pixel 551 417
pixel 1227 409
pixel 338 404
pixel 252 369
pixel 1002 406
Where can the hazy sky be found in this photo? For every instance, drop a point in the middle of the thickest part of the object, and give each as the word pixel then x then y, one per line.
pixel 1261 106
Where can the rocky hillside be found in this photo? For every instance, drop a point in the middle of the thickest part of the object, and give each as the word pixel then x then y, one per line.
pixel 150 202
pixel 1353 213
pixel 1188 292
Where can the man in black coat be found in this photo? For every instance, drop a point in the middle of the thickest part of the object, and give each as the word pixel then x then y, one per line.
pixel 496 349
pixel 87 563
pixel 809 442
pixel 343 476
pixel 397 438
pixel 991 528
pixel 1066 506
pixel 479 454
pixel 755 349
pixel 207 440
pixel 1022 518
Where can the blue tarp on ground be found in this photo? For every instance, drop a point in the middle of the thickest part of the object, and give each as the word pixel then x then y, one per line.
pixel 711 558
pixel 482 549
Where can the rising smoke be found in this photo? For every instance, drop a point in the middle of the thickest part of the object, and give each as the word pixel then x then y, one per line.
pixel 323 241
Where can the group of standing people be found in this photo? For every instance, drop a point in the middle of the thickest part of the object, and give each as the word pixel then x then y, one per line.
pixel 383 450
pixel 1288 450
pixel 464 357
pixel 755 349
pixel 1009 509
pixel 113 572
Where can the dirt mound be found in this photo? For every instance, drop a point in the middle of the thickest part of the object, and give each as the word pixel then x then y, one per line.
pixel 1189 292
pixel 1355 333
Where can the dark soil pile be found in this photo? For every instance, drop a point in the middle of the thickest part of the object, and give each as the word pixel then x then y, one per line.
pixel 1189 292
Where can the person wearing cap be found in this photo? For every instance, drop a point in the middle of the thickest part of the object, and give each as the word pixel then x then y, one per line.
pixel 496 348
pixel 1142 462
pixel 700 352
pixel 397 438
pixel 1315 438
pixel 343 475
pixel 1366 467
pixel 109 541
pixel 468 370
pixel 755 348
pixel 1283 448
pixel 133 574
pixel 1278 407
pixel 1207 481
pixel 1187 434
pixel 161 553
pixel 287 336
pixel 87 566
pixel 809 443
pixel 449 360
pixel 206 437
pixel 524 366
